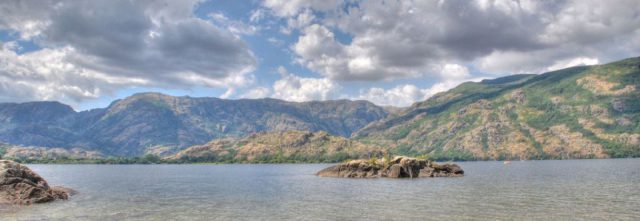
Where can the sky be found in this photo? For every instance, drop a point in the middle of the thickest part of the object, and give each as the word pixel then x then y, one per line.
pixel 87 53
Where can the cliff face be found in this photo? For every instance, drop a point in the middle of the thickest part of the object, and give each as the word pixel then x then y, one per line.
pixel 580 112
pixel 35 123
pixel 150 122
pixel 289 146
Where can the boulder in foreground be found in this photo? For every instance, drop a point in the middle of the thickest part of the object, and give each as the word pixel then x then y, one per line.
pixel 398 167
pixel 20 185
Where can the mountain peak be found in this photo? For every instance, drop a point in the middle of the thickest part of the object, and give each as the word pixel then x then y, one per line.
pixel 35 111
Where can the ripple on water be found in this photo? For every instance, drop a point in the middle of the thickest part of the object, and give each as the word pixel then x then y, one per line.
pixel 528 190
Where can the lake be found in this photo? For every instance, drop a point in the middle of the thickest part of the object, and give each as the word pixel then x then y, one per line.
pixel 523 190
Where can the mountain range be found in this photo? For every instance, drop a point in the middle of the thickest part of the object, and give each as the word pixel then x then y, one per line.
pixel 157 123
pixel 578 112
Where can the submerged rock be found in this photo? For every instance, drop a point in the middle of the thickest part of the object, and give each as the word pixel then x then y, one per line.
pixel 398 167
pixel 20 185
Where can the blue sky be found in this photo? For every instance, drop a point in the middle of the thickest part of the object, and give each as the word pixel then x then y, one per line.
pixel 88 53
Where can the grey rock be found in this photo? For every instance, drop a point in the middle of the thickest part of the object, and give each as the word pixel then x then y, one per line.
pixel 399 167
pixel 20 185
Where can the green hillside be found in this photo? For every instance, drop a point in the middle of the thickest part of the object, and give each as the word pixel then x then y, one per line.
pixel 278 147
pixel 579 112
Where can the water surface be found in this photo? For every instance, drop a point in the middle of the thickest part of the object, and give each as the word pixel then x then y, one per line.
pixel 524 190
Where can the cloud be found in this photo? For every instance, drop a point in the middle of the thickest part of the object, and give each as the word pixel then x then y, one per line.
pixel 293 7
pixel 410 39
pixel 589 21
pixel 275 41
pixel 577 33
pixel 257 92
pixel 506 62
pixel 319 51
pixel 131 39
pixel 257 15
pixel 400 96
pixel 579 61
pixel 92 48
pixel 294 88
pixel 301 20
pixel 159 43
pixel 407 94
pixel 234 26
pixel 453 72
pixel 46 75
pixel 400 39
pixel 27 18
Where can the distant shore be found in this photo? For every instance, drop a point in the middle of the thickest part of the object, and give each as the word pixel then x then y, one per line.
pixel 154 160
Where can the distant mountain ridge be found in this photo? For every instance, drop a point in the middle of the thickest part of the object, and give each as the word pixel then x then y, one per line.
pixel 151 122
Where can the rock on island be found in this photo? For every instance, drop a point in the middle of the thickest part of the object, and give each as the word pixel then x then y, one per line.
pixel 398 167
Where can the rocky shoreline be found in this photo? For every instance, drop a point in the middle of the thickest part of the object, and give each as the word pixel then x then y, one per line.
pixel 398 167
pixel 20 185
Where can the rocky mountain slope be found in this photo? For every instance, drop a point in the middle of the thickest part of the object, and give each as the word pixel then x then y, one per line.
pixel 289 146
pixel 14 152
pixel 152 122
pixel 579 112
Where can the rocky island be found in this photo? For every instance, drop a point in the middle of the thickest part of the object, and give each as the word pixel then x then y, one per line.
pixel 20 185
pixel 398 167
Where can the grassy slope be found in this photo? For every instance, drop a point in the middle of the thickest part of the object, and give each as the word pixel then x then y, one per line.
pixel 580 112
pixel 277 147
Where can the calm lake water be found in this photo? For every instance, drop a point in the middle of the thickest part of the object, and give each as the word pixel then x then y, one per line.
pixel 526 190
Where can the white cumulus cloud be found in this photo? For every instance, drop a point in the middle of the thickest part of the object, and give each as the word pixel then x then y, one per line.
pixel 89 48
pixel 388 40
pixel 295 88
pixel 407 94
pixel 257 92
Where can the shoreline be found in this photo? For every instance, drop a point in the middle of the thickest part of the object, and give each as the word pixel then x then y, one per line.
pixel 288 163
